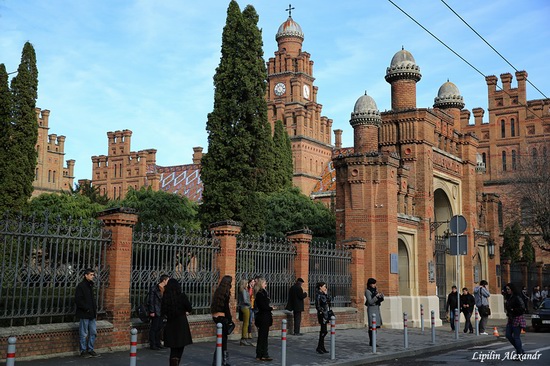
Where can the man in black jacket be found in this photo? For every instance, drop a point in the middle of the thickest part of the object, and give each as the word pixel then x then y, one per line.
pixel 86 311
pixel 295 304
pixel 452 304
pixel 154 301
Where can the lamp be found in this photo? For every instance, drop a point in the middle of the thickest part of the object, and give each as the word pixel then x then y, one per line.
pixel 491 248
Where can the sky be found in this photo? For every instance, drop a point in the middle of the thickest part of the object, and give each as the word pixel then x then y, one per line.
pixel 148 65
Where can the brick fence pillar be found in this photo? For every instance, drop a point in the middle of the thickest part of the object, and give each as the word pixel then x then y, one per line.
pixel 539 266
pixel 505 270
pixel 226 232
pixel 119 261
pixel 357 269
pixel 524 273
pixel 301 239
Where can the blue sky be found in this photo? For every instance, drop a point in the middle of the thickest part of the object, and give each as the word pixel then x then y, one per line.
pixel 147 65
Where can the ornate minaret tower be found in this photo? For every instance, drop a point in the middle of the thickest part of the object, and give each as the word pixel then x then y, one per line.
pixel 292 98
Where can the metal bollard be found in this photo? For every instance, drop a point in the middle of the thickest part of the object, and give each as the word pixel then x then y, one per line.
pixel 332 337
pixel 433 327
pixel 373 330
pixel 422 318
pixel 405 331
pixel 457 322
pixel 10 357
pixel 219 332
pixel 477 321
pixel 133 346
pixel 283 343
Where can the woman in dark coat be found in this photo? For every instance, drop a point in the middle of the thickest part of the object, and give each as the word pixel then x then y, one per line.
pixel 515 309
pixel 322 304
pixel 222 314
pixel 263 319
pixel 176 306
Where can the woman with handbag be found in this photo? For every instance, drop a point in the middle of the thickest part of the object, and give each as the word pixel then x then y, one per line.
pixel 322 304
pixel 175 306
pixel 263 320
pixel 243 307
pixel 481 295
pixel 373 301
pixel 222 314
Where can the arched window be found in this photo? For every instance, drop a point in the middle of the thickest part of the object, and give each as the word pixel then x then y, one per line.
pixel 514 163
pixel 526 212
pixel 500 216
pixel 502 128
pixel 49 176
pixel 504 161
pixel 512 127
pixel 484 158
pixel 53 180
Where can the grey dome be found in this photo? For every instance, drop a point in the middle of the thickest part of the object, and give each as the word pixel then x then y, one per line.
pixel 448 96
pixel 365 112
pixel 289 29
pixel 403 66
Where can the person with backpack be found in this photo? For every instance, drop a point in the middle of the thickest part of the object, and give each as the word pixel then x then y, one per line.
pixel 481 295
pixel 154 301
pixel 515 308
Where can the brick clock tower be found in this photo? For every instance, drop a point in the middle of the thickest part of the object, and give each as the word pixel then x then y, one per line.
pixel 292 99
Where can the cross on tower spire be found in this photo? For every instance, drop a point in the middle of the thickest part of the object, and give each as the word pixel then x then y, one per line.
pixel 290 8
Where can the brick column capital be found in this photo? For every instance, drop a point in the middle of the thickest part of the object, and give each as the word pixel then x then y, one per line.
pixel 119 216
pixel 355 243
pixel 300 236
pixel 226 228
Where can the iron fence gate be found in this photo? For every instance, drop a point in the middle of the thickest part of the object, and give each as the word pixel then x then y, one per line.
pixel 188 256
pixel 271 258
pixel 330 263
pixel 42 261
pixel 441 273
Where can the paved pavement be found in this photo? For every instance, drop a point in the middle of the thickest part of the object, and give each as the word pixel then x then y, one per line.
pixel 351 349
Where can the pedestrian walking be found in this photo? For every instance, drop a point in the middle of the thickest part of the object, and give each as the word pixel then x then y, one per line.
pixel 467 302
pixel 253 310
pixel 536 297
pixel 264 319
pixel 526 299
pixel 154 302
pixel 86 312
pixel 243 309
pixel 175 306
pixel 481 296
pixel 222 314
pixel 515 308
pixel 544 292
pixel 296 296
pixel 374 299
pixel 324 311
pixel 452 304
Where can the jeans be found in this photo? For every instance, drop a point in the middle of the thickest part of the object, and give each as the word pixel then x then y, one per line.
pixel 154 331
pixel 87 329
pixel 513 334
pixel 468 325
pixel 297 321
pixel 483 323
pixel 452 318
pixel 224 322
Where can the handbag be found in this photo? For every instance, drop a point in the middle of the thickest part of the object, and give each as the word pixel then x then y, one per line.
pixel 484 310
pixel 142 313
pixel 230 328
pixel 240 314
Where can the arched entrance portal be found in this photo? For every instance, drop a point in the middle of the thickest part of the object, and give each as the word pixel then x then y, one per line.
pixel 443 265
pixel 404 285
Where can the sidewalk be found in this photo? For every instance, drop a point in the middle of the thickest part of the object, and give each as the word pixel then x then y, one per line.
pixel 351 349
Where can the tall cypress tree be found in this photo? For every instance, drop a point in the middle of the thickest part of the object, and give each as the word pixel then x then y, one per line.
pixel 283 154
pixel 5 133
pixel 24 131
pixel 239 163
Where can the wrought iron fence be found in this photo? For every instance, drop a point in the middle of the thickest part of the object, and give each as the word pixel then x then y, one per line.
pixel 330 263
pixel 271 258
pixel 42 261
pixel 188 256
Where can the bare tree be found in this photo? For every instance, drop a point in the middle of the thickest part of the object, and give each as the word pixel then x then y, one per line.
pixel 529 188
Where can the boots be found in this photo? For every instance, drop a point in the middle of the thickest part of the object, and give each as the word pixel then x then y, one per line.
pixel 225 361
pixel 174 361
pixel 321 344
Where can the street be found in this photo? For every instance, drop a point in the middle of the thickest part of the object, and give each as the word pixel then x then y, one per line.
pixel 498 352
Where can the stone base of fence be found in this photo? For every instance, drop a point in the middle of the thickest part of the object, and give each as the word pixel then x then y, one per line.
pixel 39 341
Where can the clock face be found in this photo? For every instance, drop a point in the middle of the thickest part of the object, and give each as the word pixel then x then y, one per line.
pixel 280 89
pixel 306 91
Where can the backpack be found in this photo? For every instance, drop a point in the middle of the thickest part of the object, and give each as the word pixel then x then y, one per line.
pixel 143 312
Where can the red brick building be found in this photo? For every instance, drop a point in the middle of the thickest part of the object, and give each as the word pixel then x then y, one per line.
pixel 50 174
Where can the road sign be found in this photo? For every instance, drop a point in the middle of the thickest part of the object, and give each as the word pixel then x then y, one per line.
pixel 458 224
pixel 462 245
